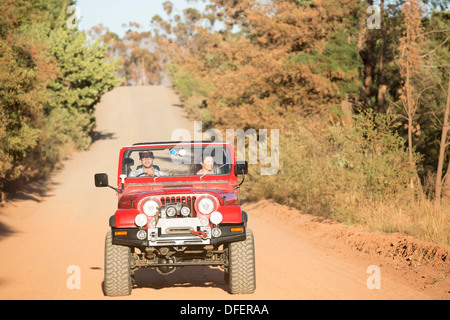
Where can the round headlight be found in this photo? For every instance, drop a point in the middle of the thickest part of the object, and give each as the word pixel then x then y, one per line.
pixel 141 220
pixel 150 207
pixel 216 217
pixel 205 205
pixel 171 211
pixel 185 211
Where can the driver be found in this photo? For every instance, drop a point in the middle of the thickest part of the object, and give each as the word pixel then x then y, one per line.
pixel 147 169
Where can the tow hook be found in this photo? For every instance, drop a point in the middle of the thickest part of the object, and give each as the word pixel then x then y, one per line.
pixel 200 234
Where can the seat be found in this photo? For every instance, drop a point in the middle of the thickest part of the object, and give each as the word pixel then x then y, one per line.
pixel 128 163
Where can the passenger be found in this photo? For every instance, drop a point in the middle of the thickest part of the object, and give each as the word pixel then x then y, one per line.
pixel 147 169
pixel 207 166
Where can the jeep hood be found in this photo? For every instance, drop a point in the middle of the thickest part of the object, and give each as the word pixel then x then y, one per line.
pixel 132 194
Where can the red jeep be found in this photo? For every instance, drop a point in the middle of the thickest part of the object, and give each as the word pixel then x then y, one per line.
pixel 178 206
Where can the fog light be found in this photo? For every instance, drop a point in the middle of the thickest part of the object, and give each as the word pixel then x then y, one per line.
pixel 141 234
pixel 185 211
pixel 216 217
pixel 141 220
pixel 216 232
pixel 171 211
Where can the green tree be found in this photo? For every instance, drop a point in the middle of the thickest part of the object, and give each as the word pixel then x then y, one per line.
pixel 50 80
pixel 84 75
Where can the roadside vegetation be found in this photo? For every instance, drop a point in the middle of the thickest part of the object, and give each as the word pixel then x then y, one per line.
pixel 51 77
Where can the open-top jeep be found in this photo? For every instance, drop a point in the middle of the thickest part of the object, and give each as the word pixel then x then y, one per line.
pixel 178 206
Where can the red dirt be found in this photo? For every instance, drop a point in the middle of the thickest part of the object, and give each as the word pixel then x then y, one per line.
pixel 421 265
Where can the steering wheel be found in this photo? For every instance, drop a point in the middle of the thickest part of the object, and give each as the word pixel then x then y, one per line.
pixel 141 174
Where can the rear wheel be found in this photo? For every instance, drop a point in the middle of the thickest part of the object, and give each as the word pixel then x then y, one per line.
pixel 241 265
pixel 117 280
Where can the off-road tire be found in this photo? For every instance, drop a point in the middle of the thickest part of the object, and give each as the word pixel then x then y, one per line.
pixel 241 265
pixel 117 280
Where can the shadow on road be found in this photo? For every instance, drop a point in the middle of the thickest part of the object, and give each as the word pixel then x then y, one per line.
pixel 37 191
pixel 5 231
pixel 204 277
pixel 188 277
pixel 22 190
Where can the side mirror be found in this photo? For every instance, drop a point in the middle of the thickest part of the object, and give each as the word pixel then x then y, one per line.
pixel 242 167
pixel 101 180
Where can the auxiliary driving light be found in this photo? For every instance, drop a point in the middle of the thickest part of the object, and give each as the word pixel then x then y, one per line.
pixel 185 211
pixel 141 220
pixel 171 211
pixel 216 217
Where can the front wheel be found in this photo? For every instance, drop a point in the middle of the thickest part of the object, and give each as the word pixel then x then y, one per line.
pixel 241 265
pixel 117 280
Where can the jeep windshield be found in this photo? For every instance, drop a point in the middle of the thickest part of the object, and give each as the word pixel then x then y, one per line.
pixel 142 162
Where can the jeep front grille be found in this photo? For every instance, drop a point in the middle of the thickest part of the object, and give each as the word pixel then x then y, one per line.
pixel 188 201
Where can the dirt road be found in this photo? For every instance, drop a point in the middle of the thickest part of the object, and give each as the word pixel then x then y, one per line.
pixel 55 231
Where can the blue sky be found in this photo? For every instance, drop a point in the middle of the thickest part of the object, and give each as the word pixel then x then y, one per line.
pixel 113 13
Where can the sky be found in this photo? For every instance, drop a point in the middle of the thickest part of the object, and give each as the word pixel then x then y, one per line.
pixel 113 13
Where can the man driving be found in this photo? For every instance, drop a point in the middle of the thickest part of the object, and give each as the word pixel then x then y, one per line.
pixel 147 169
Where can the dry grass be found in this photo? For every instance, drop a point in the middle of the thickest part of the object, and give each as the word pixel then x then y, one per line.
pixel 356 176
pixel 422 220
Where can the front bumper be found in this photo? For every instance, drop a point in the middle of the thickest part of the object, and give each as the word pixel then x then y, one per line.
pixel 179 233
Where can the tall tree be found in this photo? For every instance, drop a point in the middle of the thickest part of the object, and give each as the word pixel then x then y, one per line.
pixel 138 53
pixel 444 143
pixel 278 57
pixel 409 61
pixel 25 71
pixel 50 80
